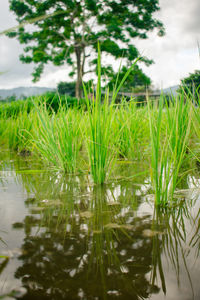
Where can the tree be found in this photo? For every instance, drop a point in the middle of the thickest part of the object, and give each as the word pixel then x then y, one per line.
pixel 70 33
pixel 66 88
pixel 135 79
pixel 191 85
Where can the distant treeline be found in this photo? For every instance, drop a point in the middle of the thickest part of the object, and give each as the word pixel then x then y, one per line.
pixel 51 100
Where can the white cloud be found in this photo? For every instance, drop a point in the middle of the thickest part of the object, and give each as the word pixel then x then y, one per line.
pixel 175 54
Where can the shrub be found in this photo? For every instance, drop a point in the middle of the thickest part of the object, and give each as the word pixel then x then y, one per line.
pixel 66 88
pixel 191 85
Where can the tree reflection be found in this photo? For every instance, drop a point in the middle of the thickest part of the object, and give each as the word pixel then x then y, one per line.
pixel 88 242
pixel 176 238
pixel 104 254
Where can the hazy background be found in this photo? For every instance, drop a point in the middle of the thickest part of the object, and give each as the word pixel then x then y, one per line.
pixel 175 55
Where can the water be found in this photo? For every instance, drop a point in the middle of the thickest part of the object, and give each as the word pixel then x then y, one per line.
pixel 64 238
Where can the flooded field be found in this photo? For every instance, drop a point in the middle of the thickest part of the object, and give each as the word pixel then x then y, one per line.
pixel 64 238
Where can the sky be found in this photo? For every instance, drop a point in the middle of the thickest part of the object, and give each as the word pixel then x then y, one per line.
pixel 175 55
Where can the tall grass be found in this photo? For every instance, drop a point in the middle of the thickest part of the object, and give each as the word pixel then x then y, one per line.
pixel 58 132
pixel 109 131
pixel 15 108
pixel 19 131
pixel 58 137
pixel 101 114
pixel 174 241
pixel 3 126
pixel 196 120
pixel 101 153
pixel 100 149
pixel 130 129
pixel 168 145
pixel 52 100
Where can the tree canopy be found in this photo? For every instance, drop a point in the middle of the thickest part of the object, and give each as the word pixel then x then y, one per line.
pixel 191 84
pixel 136 78
pixel 192 79
pixel 67 31
pixel 66 88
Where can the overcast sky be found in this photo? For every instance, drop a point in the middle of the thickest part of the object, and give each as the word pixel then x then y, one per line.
pixel 175 55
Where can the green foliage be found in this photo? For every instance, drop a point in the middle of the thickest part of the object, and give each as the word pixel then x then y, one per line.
pixel 71 31
pixel 19 130
pixel 191 85
pixel 136 78
pixel 58 132
pixel 53 101
pixel 66 88
pixel 101 155
pixel 57 138
pixel 196 121
pixel 168 146
pixel 8 99
pixel 109 131
pixel 131 129
pixel 13 109
pixel 101 114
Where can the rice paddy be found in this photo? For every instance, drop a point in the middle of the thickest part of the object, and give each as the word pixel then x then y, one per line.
pixel 101 194
pixel 90 135
pixel 95 241
pixel 92 140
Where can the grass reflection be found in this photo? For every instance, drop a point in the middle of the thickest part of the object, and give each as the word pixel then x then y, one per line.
pixel 174 241
pixel 98 241
pixel 96 228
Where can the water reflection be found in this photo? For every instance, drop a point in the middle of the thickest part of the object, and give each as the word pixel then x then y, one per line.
pixel 83 241
pixel 88 246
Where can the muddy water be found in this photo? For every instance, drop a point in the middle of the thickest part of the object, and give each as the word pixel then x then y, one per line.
pixel 64 238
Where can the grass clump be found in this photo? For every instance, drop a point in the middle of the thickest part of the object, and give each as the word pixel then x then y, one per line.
pixel 100 141
pixel 168 145
pixel 57 138
pixel 19 131
pixel 100 150
pixel 15 108
pixel 160 130
pixel 131 130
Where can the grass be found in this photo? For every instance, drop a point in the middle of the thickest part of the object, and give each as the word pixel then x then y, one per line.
pixel 52 100
pixel 100 150
pixel 101 113
pixel 57 137
pixel 18 131
pixel 172 240
pixel 105 132
pixel 168 145
pixel 13 109
pixel 160 132
pixel 131 129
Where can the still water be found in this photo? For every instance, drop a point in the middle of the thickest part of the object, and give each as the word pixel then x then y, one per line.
pixel 64 238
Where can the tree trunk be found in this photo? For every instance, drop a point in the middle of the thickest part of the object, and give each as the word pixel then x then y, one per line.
pixel 79 73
